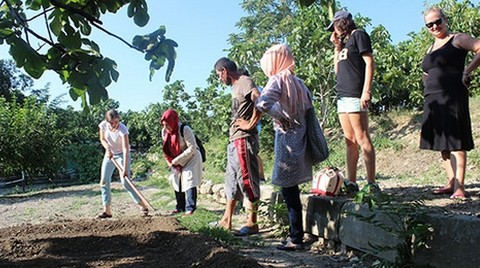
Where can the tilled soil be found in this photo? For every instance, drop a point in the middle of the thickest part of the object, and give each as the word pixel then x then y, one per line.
pixel 57 228
pixel 137 242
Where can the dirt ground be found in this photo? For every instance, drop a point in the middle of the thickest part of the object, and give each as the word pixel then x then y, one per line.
pixel 134 242
pixel 57 227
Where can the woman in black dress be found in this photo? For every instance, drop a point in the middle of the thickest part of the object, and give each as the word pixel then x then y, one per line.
pixel 446 123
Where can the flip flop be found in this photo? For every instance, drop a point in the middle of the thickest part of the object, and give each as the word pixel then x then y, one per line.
pixel 289 246
pixel 104 215
pixel 246 231
pixel 461 197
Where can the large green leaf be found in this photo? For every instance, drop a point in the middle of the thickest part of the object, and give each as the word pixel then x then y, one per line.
pixel 141 18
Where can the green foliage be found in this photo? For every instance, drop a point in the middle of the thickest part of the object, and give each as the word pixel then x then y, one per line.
pixel 157 49
pixel 13 83
pixel 30 141
pixel 66 48
pixel 85 159
pixel 397 79
pixel 405 221
pixel 198 223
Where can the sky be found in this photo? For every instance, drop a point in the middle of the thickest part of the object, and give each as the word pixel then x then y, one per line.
pixel 201 28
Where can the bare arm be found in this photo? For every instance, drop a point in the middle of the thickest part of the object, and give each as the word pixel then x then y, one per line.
pixel 126 155
pixel 103 141
pixel 469 43
pixel 367 85
pixel 338 47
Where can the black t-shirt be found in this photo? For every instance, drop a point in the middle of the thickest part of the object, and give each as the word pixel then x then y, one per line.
pixel 351 66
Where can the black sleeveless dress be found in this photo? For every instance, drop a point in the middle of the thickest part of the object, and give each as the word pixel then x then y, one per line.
pixel 446 122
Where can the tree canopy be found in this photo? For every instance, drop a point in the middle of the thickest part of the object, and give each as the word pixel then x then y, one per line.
pixel 54 35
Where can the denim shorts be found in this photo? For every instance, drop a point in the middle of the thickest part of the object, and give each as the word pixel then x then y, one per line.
pixel 349 105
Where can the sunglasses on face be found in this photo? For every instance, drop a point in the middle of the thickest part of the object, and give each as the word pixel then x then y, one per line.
pixel 437 22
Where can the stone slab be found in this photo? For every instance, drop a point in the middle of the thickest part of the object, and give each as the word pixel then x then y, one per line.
pixel 367 236
pixel 455 242
pixel 322 216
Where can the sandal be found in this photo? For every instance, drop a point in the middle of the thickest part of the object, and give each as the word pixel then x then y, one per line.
pixel 460 197
pixel 104 215
pixel 289 246
pixel 246 231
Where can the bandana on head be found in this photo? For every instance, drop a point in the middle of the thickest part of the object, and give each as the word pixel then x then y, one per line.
pixel 171 140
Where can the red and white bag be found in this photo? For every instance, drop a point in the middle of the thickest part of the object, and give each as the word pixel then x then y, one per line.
pixel 327 182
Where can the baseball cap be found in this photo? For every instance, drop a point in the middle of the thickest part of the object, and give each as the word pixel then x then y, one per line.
pixel 341 14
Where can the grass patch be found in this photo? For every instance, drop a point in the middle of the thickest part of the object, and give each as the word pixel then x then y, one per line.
pixel 198 223
pixel 77 203
pixel 384 142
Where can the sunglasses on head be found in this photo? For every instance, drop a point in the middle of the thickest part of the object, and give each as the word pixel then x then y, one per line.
pixel 437 22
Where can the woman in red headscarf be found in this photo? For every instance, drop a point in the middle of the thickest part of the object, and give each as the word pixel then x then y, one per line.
pixel 184 159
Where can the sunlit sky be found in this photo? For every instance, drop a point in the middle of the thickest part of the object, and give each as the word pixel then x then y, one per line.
pixel 201 28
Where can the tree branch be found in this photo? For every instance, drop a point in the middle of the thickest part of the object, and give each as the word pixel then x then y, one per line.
pixel 117 37
pixel 40 14
pixel 46 26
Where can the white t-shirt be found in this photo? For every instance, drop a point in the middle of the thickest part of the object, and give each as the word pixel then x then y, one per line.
pixel 114 138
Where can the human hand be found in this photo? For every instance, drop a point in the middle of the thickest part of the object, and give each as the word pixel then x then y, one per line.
pixel 177 170
pixel 286 123
pixel 365 100
pixel 336 41
pixel 242 124
pixel 466 79
pixel 110 153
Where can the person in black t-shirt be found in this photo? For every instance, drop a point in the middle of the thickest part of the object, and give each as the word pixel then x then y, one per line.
pixel 354 67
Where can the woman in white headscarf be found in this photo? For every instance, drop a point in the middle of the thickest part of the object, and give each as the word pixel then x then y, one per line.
pixel 286 99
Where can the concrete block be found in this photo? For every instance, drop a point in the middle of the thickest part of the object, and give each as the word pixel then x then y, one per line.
pixel 366 236
pixel 322 216
pixel 455 242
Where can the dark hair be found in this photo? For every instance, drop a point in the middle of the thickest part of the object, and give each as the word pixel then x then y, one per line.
pixel 346 26
pixel 225 63
pixel 111 114
pixel 244 71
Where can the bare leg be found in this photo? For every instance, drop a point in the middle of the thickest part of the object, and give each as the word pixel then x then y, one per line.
pixel 359 123
pixel 352 146
pixel 226 221
pixel 252 208
pixel 447 164
pixel 107 209
pixel 459 162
